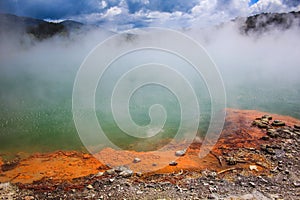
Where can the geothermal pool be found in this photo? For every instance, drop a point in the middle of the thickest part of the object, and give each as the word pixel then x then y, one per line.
pixel 36 84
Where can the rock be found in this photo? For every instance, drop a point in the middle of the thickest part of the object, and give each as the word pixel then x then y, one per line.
pixel 126 173
pixel 139 174
pixel 136 160
pixel 110 171
pixel 90 187
pixel 253 167
pixel 120 169
pixel 173 163
pixel 86 156
pixel 278 123
pixel 243 184
pixel 297 183
pixel 263 147
pixel 252 184
pixel 139 192
pixel 255 122
pixel 297 126
pixel 154 164
pixel 212 196
pixel 263 164
pixel 269 117
pixel 231 161
pixel 265 120
pixel 270 151
pixel 262 125
pixel 28 197
pixel 180 152
pixel 272 133
pixel 99 174
pixel 265 137
pixel 111 180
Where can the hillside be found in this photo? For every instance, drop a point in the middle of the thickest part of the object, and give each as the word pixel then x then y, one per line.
pixel 40 29
pixel 268 21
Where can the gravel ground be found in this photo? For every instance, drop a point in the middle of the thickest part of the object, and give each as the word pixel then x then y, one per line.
pixel 281 148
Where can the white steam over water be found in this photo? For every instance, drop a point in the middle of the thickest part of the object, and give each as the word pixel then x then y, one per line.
pixel 260 71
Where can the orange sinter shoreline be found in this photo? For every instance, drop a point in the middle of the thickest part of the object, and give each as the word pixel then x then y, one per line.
pixel 238 133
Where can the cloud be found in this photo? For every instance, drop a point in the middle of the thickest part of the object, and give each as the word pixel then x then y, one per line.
pixel 54 9
pixel 275 6
pixel 117 14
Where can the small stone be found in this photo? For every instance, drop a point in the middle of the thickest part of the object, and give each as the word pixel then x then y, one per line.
pixel 126 173
pixel 256 122
pixel 243 184
pixel 262 125
pixel 297 126
pixel 253 167
pixel 86 156
pixel 269 117
pixel 154 164
pixel 265 137
pixel 180 152
pixel 252 184
pixel 136 160
pixel 297 184
pixel 173 163
pixel 278 123
pixel 270 151
pixel 263 164
pixel 110 172
pixel 139 192
pixel 99 174
pixel 212 196
pixel 28 198
pixel 284 179
pixel 121 169
pixel 263 147
pixel 90 187
pixel 231 161
pixel 272 133
pixel 111 180
pixel 139 174
pixel 265 120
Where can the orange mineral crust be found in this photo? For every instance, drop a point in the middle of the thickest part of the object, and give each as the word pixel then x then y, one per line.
pixel 236 145
pixel 57 166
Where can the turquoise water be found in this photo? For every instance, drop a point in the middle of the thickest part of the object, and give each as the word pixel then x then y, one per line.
pixel 36 105
pixel 36 109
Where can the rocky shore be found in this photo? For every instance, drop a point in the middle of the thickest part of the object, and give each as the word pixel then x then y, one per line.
pixel 256 157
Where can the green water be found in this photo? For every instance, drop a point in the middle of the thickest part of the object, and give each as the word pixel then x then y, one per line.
pixel 36 109
pixel 36 106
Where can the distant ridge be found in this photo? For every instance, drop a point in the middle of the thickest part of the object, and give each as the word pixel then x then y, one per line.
pixel 40 29
pixel 267 21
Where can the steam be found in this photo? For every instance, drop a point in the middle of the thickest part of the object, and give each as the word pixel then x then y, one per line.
pixel 260 71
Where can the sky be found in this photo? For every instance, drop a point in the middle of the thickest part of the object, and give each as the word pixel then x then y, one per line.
pixel 139 13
